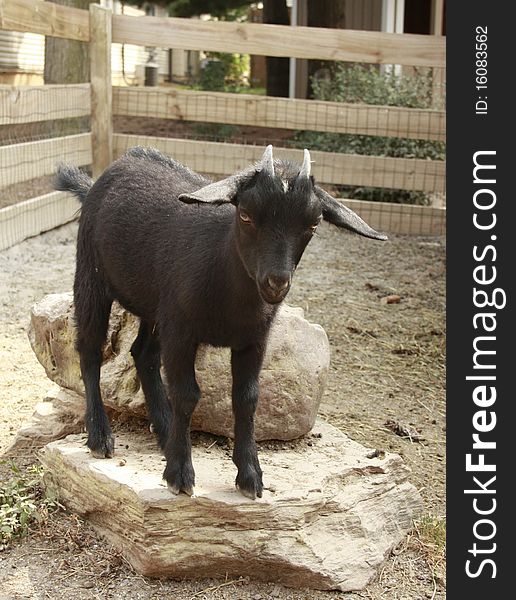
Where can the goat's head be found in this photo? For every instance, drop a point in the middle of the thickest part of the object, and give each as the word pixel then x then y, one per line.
pixel 278 209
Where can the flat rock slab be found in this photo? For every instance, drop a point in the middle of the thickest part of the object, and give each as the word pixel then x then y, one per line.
pixel 328 518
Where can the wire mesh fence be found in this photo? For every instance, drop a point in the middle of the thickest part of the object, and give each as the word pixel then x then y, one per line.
pixel 409 130
pixel 389 152
pixel 40 126
pixel 376 134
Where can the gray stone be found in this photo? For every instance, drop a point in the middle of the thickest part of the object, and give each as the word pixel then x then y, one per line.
pixel 328 518
pixel 60 414
pixel 293 377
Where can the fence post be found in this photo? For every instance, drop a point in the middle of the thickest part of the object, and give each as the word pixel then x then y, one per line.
pixel 101 89
pixel 438 73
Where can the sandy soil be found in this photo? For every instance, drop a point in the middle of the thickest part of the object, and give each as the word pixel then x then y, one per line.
pixel 387 365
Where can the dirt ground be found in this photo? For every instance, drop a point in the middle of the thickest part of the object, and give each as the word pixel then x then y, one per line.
pixel 387 366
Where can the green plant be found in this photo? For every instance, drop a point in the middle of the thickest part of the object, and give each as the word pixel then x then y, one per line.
pixel 431 538
pixel 370 85
pixel 372 145
pixel 384 195
pixel 225 72
pixel 23 503
pixel 215 131
pixel 213 76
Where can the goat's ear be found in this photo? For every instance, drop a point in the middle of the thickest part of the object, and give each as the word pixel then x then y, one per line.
pixel 342 216
pixel 222 191
pixel 227 189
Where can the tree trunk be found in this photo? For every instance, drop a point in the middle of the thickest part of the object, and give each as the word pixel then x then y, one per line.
pixel 276 12
pixel 67 61
pixel 323 13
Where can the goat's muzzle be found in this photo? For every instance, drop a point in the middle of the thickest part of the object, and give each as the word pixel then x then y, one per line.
pixel 275 286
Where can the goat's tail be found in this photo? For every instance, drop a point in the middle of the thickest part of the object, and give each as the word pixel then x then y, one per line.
pixel 71 179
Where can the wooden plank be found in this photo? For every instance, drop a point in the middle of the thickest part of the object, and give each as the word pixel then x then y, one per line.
pixel 264 111
pixel 436 19
pixel 27 104
pixel 192 34
pixel 281 40
pixel 21 162
pixel 101 90
pixel 438 88
pixel 32 217
pixel 438 75
pixel 401 218
pixel 45 18
pixel 330 168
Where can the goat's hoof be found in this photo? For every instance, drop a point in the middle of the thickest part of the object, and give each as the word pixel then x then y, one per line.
pixel 189 491
pixel 250 484
pixel 180 479
pixel 99 454
pixel 252 494
pixel 104 449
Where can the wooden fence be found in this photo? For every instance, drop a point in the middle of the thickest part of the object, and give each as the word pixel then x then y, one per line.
pixel 101 101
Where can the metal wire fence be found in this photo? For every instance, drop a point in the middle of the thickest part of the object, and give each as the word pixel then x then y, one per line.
pixel 376 133
pixel 372 153
pixel 40 126
pixel 397 151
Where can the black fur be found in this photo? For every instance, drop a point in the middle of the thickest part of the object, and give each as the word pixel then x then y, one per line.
pixel 72 179
pixel 194 274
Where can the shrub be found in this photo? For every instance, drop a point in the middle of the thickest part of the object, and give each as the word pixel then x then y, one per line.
pixel 215 131
pixel 225 72
pixel 23 503
pixel 369 85
pixel 213 76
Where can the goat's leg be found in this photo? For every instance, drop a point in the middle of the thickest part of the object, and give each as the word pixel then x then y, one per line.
pixel 92 318
pixel 184 394
pixel 245 366
pixel 146 353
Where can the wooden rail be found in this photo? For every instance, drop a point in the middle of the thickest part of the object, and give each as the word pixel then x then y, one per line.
pixel 32 217
pixel 21 162
pixel 28 104
pixel 330 168
pixel 45 18
pixel 401 218
pixel 265 111
pixel 25 161
pixel 281 40
pixel 254 38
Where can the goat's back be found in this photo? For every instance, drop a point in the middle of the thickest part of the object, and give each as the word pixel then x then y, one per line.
pixel 141 235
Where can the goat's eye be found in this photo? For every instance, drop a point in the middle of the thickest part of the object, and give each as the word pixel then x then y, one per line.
pixel 313 228
pixel 245 218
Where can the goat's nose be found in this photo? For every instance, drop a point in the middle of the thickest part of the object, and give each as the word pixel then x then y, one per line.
pixel 278 283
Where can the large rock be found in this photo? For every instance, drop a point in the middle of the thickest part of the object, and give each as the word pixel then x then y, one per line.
pixel 292 379
pixel 328 518
pixel 59 414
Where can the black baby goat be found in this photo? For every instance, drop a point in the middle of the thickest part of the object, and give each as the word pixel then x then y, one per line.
pixel 194 275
